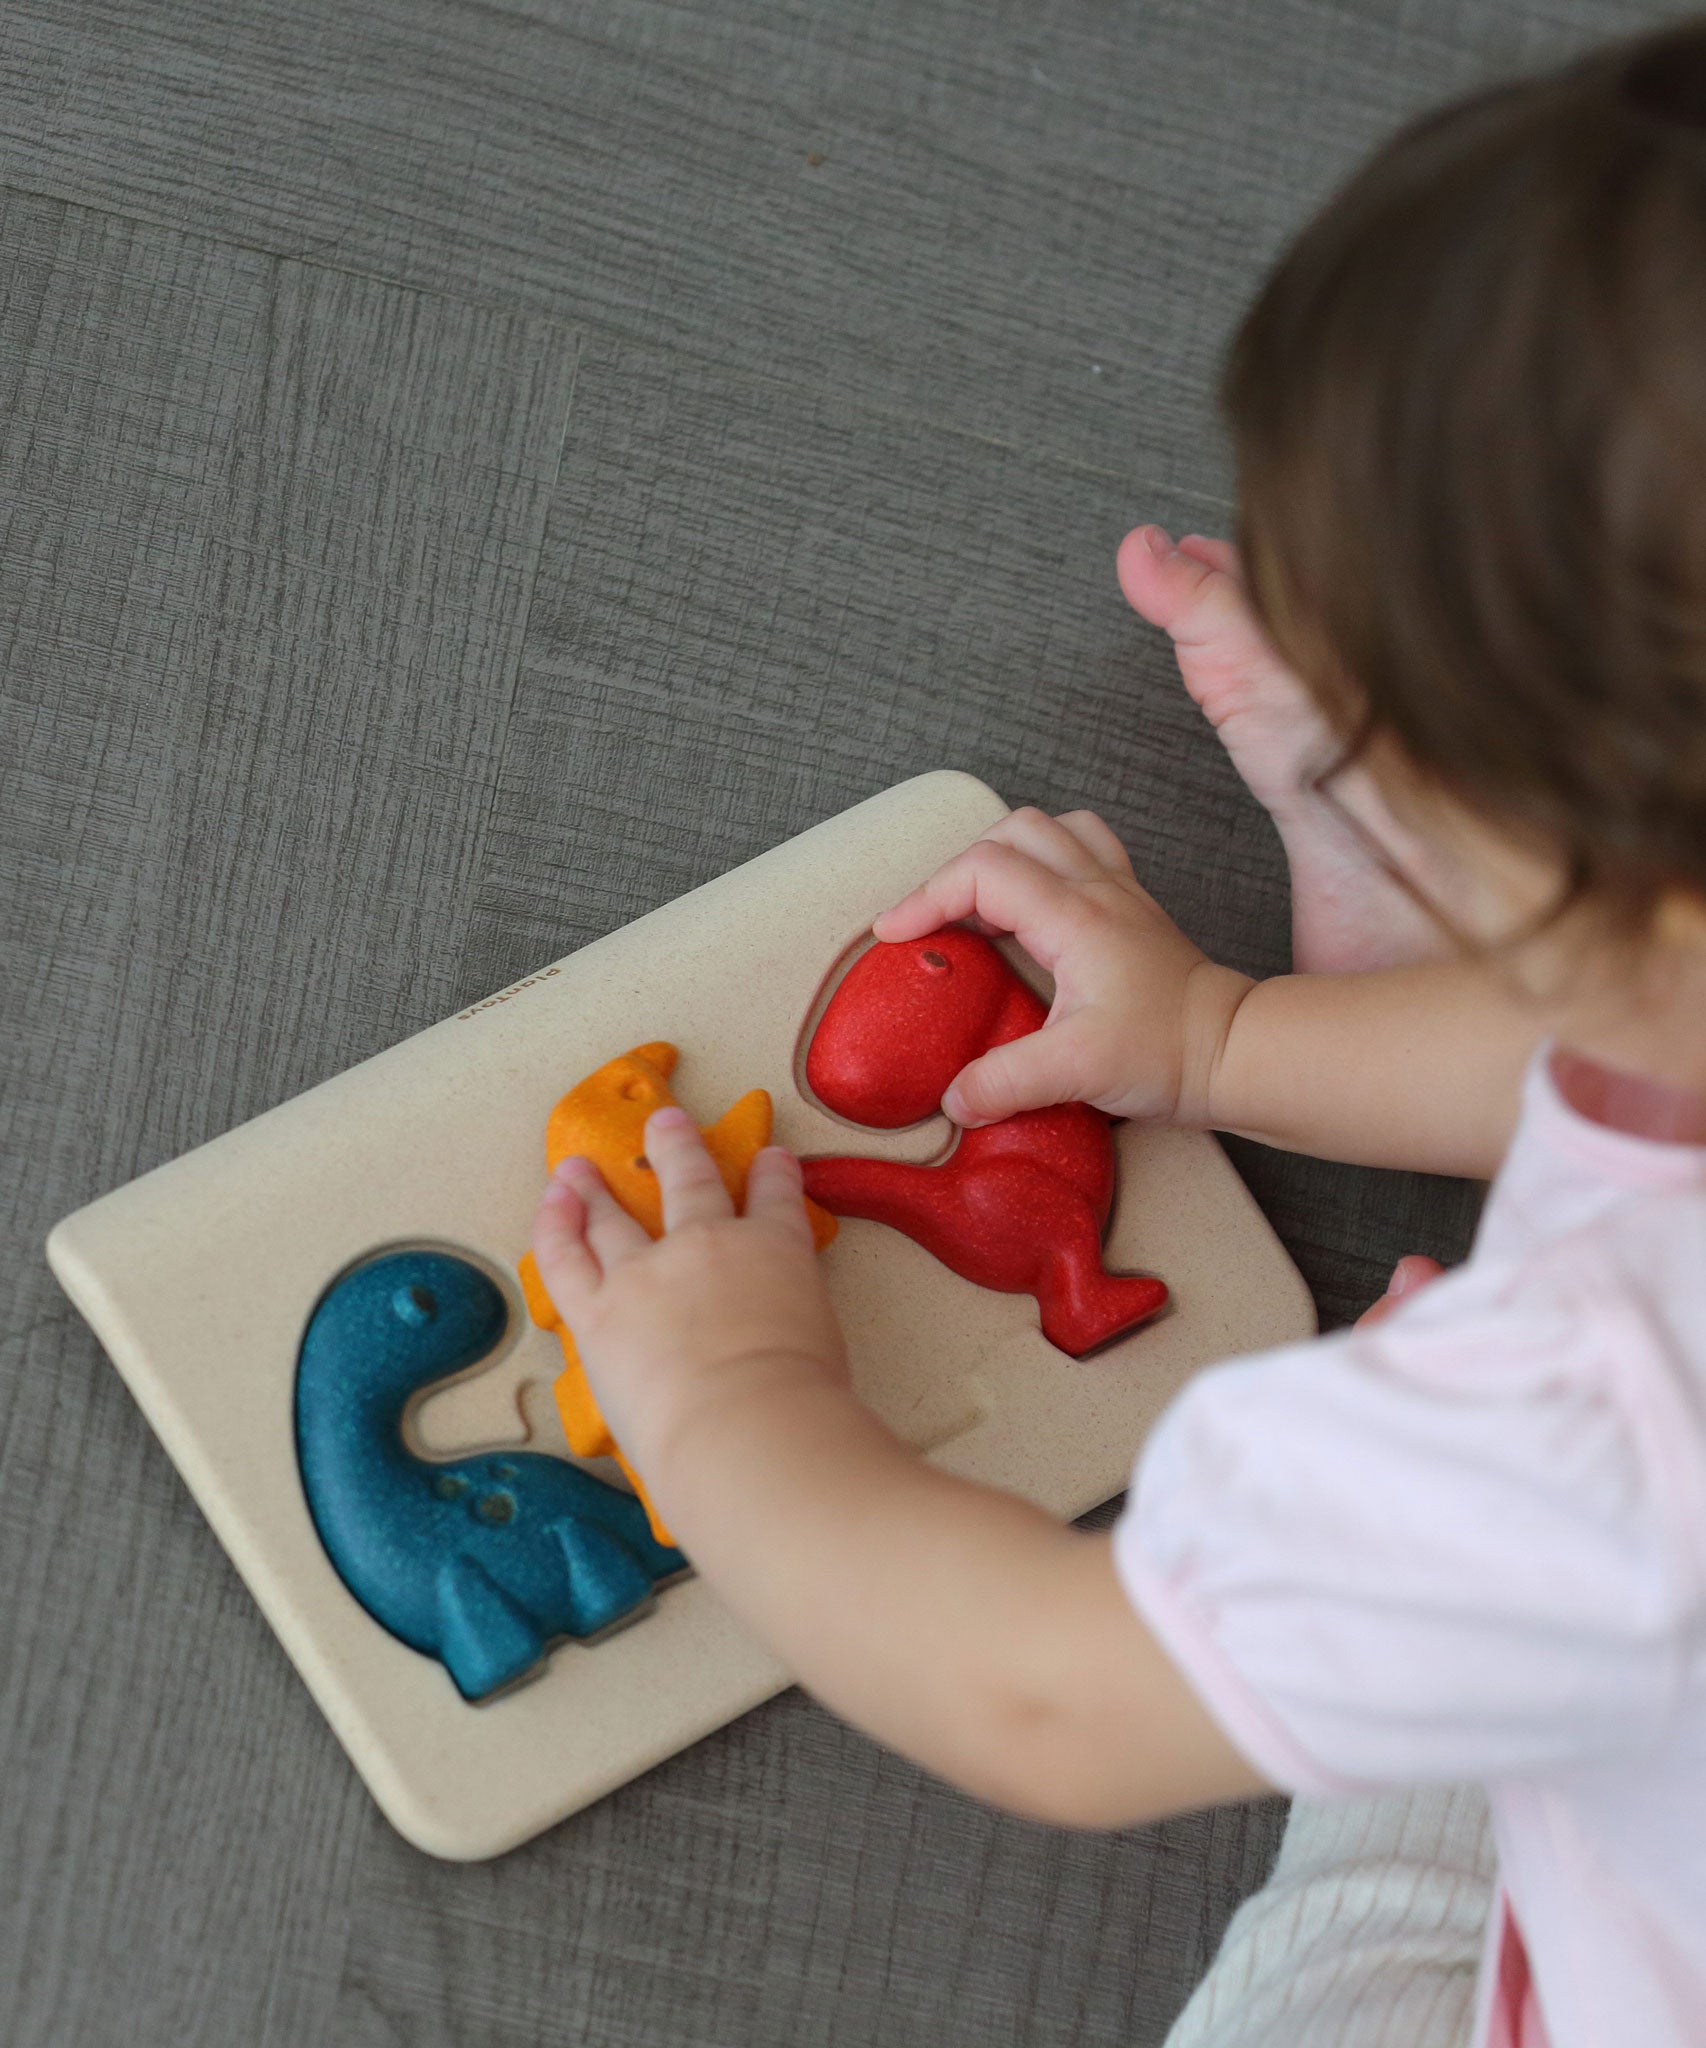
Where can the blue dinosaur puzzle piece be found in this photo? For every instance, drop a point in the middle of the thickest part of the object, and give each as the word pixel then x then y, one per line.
pixel 482 1562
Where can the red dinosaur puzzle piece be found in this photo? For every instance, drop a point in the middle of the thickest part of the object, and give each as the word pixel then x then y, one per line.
pixel 1019 1206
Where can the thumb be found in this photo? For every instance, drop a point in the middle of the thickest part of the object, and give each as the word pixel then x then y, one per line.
pixel 1045 1067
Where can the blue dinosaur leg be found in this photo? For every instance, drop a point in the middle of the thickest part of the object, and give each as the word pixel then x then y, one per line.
pixel 607 1582
pixel 621 1516
pixel 485 1636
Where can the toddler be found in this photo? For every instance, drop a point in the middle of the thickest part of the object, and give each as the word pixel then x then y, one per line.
pixel 1460 653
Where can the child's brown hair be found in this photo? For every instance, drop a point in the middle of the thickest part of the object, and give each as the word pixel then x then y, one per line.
pixel 1469 410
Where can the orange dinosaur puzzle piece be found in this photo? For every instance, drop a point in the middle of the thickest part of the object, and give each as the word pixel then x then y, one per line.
pixel 603 1118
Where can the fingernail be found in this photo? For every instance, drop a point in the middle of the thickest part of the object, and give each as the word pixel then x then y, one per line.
pixel 954 1104
pixel 1157 540
pixel 670 1118
pixel 570 1168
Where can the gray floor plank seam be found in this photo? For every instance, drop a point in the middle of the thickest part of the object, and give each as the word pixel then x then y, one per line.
pixel 1218 501
pixel 306 469
pixel 950 250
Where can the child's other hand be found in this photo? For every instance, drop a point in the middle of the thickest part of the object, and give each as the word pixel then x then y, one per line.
pixel 1140 1012
pixel 717 1306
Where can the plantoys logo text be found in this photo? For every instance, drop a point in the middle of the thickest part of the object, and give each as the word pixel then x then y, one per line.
pixel 504 995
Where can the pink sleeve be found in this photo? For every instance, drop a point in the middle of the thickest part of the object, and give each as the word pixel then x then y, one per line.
pixel 1430 1551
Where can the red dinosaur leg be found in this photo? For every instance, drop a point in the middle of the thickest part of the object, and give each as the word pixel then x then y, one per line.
pixel 1082 1304
pixel 1006 1224
pixel 1042 1227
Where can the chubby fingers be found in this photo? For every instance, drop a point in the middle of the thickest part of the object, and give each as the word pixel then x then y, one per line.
pixel 1023 876
pixel 688 1178
pixel 1047 1066
pixel 590 1212
pixel 1076 844
pixel 560 1250
pixel 579 1232
pixel 1099 840
pixel 693 1188
pixel 1058 843
pixel 775 1191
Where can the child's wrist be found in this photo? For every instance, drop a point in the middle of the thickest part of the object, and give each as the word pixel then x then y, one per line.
pixel 1214 995
pixel 686 1418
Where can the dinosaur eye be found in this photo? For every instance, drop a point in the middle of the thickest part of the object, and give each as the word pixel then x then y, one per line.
pixel 414 1305
pixel 633 1090
pixel 936 962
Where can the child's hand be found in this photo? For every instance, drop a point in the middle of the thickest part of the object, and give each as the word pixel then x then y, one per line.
pixel 1140 1013
pixel 959 1624
pixel 668 1328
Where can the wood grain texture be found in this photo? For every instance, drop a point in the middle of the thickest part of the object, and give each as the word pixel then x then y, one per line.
pixel 787 1882
pixel 268 534
pixel 1028 222
pixel 757 605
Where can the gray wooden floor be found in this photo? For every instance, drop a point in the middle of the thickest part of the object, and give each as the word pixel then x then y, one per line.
pixel 469 471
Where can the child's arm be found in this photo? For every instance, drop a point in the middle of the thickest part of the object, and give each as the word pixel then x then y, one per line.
pixel 1417 1067
pixel 1412 1066
pixel 955 1623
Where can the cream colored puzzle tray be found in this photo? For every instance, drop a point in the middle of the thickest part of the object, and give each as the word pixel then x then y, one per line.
pixel 200 1279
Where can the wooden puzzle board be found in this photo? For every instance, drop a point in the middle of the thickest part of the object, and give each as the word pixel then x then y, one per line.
pixel 199 1279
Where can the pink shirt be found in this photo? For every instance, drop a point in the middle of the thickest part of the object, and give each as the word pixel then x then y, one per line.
pixel 1469 1542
